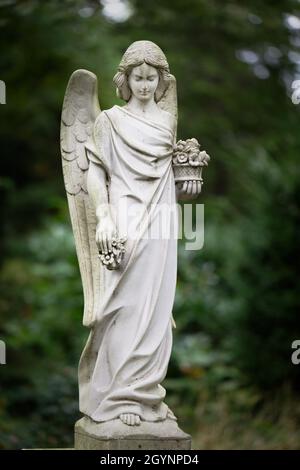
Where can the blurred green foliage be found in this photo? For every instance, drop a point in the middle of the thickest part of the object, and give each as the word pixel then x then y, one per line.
pixel 237 300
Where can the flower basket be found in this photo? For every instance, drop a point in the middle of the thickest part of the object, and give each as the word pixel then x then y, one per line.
pixel 188 161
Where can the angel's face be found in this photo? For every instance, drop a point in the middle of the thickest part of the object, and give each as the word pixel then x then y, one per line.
pixel 143 81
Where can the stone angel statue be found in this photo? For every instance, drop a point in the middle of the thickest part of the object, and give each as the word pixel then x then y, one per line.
pixel 116 161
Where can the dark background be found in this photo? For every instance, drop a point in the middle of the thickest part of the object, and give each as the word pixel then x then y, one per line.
pixel 231 380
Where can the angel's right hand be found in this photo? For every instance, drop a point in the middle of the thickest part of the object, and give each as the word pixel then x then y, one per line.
pixel 105 232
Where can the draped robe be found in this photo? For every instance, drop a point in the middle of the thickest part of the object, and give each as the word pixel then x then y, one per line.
pixel 129 347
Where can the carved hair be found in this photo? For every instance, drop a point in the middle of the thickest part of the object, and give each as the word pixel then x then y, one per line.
pixel 140 52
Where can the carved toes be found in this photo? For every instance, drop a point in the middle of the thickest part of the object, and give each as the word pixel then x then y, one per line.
pixel 130 419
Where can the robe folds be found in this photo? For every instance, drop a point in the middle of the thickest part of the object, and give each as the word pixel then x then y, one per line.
pixel 127 354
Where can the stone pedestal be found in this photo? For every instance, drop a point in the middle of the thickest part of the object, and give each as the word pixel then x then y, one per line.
pixel 115 435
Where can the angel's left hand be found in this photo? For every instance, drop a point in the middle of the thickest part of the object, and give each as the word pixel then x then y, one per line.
pixel 188 189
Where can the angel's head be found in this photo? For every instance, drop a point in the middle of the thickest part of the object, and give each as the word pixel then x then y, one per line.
pixel 142 58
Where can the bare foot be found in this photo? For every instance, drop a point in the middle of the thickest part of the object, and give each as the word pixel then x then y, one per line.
pixel 130 419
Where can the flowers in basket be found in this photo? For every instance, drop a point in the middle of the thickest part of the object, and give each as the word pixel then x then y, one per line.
pixel 188 160
pixel 113 258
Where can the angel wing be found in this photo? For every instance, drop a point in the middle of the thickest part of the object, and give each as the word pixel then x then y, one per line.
pixel 80 109
pixel 168 101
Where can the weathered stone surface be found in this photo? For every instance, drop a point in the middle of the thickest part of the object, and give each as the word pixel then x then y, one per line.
pixel 115 435
pixel 117 166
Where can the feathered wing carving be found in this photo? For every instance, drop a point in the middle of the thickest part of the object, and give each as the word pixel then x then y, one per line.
pixel 168 101
pixel 80 109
